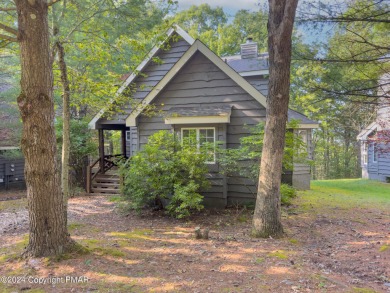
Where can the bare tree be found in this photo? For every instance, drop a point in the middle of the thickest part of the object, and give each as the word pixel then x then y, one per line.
pixel 267 217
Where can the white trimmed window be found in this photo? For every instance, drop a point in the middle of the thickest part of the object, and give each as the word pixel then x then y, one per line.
pixel 128 135
pixel 374 153
pixel 365 152
pixel 202 139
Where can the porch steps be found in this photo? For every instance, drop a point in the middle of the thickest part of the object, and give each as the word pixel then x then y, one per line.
pixel 108 183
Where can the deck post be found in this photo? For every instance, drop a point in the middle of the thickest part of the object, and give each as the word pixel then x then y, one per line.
pixel 101 150
pixel 88 184
pixel 124 143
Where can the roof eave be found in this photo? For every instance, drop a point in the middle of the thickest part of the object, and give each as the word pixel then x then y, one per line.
pixel 254 72
pixel 309 126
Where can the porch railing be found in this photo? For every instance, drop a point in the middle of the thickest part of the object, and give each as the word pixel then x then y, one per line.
pixel 108 163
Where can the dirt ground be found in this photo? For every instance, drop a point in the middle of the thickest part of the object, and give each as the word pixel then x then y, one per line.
pixel 326 249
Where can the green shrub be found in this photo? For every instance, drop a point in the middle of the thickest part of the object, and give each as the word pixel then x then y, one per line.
pixel 82 144
pixel 11 154
pixel 287 193
pixel 167 175
pixel 245 160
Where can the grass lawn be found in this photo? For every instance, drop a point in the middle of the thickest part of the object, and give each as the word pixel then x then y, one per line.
pixel 347 193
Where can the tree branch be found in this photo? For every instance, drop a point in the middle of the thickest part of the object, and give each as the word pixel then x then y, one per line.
pixel 345 19
pixel 50 3
pixel 8 38
pixel 8 9
pixel 8 29
pixel 340 60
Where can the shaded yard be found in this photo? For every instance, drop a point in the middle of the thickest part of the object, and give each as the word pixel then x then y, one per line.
pixel 337 240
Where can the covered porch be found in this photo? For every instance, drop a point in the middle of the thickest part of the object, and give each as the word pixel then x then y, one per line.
pixel 102 173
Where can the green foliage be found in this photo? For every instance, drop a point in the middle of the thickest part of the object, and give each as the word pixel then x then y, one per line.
pixel 245 160
pixel 287 193
pixel 165 172
pixel 11 154
pixel 82 144
pixel 210 25
pixel 335 82
pixel 200 19
pixel 99 52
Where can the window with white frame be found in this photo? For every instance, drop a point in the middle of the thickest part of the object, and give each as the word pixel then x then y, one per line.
pixel 374 152
pixel 128 135
pixel 202 139
pixel 365 152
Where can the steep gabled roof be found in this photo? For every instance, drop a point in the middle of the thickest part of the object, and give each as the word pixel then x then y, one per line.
pixel 142 65
pixel 363 135
pixel 304 122
pixel 197 46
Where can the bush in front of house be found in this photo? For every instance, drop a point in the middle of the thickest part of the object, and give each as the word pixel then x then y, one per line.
pixel 287 193
pixel 165 175
pixel 245 160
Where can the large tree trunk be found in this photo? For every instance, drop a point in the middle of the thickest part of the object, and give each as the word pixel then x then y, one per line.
pixel 267 217
pixel 47 214
pixel 65 122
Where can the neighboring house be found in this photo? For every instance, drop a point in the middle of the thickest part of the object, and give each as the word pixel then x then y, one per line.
pixel 11 168
pixel 197 92
pixel 375 138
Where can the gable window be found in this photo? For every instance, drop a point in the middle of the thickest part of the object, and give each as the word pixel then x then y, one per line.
pixel 202 139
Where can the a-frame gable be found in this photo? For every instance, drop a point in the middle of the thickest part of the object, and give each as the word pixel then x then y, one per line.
pixel 197 46
pixel 143 65
pixel 366 132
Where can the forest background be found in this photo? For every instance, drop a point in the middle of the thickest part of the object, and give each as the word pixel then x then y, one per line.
pixel 339 53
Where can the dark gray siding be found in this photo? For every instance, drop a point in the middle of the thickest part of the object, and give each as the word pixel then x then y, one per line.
pixel 142 86
pixel 384 164
pixel 132 142
pixel 150 76
pixel 372 166
pixel 379 170
pixel 201 83
pixel 258 82
pixel 12 169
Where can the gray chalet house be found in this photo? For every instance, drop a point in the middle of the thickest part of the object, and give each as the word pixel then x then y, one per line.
pixel 197 91
pixel 375 138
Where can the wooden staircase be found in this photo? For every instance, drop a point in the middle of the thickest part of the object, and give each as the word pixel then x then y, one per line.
pixel 107 182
